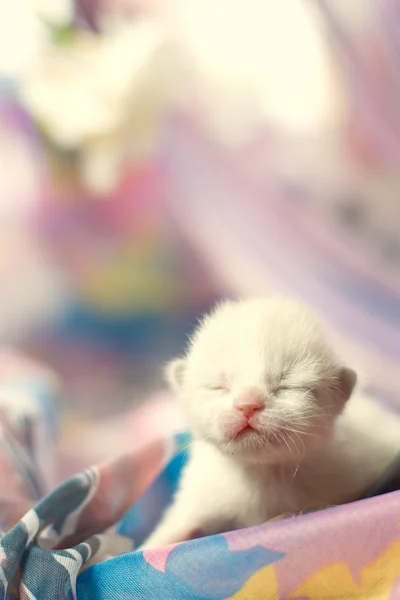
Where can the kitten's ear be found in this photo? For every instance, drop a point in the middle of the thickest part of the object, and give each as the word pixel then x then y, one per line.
pixel 347 381
pixel 174 373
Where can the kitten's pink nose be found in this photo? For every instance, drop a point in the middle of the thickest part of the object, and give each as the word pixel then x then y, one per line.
pixel 249 402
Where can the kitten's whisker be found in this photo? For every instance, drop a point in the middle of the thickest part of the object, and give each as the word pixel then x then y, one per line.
pixel 300 431
pixel 282 437
pixel 299 461
pixel 304 449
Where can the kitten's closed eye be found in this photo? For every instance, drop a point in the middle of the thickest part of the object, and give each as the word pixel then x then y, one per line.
pixel 291 388
pixel 216 387
pixel 219 384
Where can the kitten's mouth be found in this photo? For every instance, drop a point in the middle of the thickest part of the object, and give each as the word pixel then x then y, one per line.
pixel 248 432
pixel 248 429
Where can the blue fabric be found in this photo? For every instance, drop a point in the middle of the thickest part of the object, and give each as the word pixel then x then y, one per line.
pixel 188 574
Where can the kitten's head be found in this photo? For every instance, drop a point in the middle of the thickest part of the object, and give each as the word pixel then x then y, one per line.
pixel 259 381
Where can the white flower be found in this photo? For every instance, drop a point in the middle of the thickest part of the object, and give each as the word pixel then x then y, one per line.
pixel 102 95
pixel 23 31
pixel 56 12
pixel 258 63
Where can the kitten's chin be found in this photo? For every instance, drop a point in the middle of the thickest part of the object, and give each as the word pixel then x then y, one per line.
pixel 253 449
pixel 255 455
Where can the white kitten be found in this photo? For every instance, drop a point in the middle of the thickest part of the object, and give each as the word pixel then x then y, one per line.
pixel 264 396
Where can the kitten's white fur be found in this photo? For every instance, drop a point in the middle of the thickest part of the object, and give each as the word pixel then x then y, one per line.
pixel 311 447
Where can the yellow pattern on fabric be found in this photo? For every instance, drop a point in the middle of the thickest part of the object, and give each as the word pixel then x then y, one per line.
pixel 262 584
pixel 335 582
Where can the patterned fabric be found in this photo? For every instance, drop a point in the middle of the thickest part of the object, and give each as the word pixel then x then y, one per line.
pixel 351 551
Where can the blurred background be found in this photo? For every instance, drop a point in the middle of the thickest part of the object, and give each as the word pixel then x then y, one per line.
pixel 158 155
